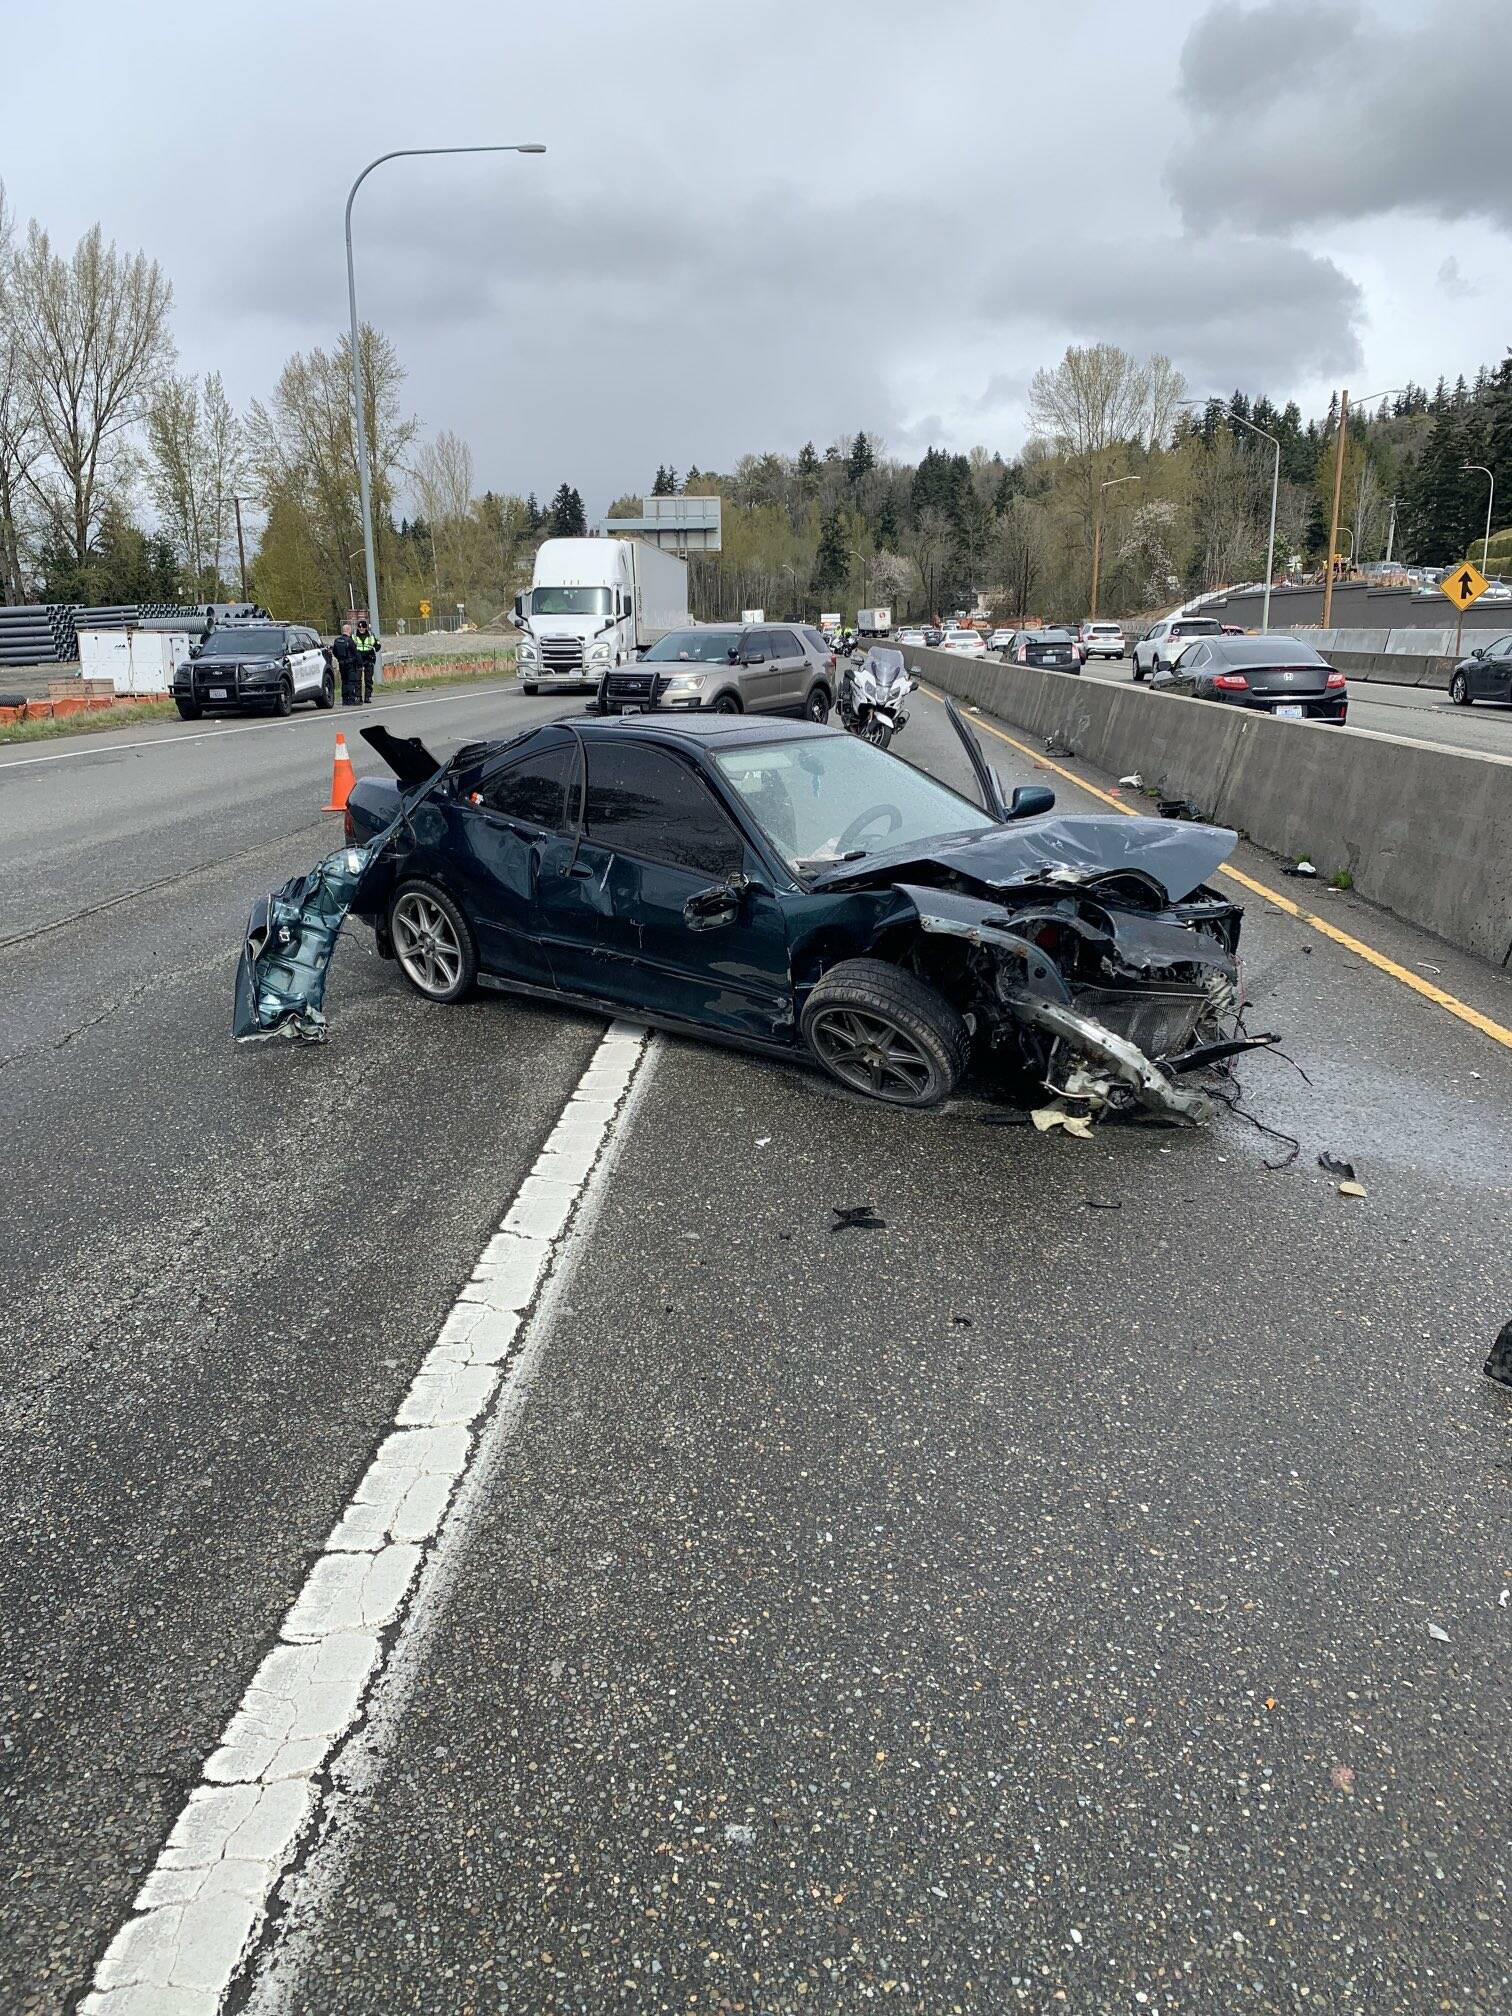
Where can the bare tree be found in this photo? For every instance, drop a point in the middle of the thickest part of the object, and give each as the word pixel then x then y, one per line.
pixel 20 440
pixel 194 467
pixel 1165 388
pixel 93 333
pixel 1093 399
pixel 1366 505
pixel 442 475
pixel 1022 550
pixel 930 549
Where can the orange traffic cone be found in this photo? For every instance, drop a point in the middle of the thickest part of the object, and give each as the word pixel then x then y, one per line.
pixel 343 777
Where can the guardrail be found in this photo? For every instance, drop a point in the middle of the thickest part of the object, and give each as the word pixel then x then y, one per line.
pixel 1424 831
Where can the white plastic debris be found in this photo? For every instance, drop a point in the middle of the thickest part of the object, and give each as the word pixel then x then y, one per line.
pixel 1351 1189
pixel 1304 867
pixel 1134 781
pixel 1047 1118
pixel 1439 1637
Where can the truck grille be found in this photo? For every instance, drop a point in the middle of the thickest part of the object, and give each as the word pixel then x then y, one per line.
pixel 561 654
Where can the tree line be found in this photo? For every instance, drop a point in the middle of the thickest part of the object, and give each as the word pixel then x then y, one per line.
pixel 119 478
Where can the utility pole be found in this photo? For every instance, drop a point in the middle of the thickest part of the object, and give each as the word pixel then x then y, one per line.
pixel 241 547
pixel 1391 531
pixel 1333 523
pixel 1097 532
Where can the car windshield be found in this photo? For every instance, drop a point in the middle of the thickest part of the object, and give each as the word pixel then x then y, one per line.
pixel 243 644
pixel 569 602
pixel 835 798
pixel 695 647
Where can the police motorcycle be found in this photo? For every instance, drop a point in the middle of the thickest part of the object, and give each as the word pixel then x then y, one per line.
pixel 872 699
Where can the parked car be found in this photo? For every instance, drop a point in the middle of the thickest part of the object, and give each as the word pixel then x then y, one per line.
pixel 1000 640
pixel 783 887
pixel 1103 640
pixel 254 668
pixel 1485 675
pixel 1053 650
pixel 1162 644
pixel 733 668
pixel 964 643
pixel 1269 675
pixel 913 637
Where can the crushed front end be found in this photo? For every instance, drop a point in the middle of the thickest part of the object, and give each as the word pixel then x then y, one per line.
pixel 291 935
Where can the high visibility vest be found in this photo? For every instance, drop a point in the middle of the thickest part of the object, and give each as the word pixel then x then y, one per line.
pixel 366 645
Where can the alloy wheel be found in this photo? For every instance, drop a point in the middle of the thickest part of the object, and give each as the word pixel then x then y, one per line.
pixel 426 943
pixel 871 1054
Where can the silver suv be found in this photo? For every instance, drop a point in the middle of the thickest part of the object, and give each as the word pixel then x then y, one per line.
pixel 735 668
pixel 1160 647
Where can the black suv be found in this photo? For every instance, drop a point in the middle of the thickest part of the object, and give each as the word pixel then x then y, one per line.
pixel 255 668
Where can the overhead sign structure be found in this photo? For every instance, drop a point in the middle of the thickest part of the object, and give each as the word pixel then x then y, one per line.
pixel 1464 585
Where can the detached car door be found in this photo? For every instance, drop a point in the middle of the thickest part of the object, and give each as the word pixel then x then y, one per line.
pixel 662 906
pixel 504 820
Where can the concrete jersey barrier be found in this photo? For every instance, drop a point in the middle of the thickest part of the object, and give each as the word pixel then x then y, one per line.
pixel 1424 831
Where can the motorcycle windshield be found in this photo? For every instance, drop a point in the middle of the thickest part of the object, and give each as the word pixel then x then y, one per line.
pixel 885 666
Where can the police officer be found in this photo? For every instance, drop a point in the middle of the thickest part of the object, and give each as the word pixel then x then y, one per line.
pixel 344 651
pixel 368 648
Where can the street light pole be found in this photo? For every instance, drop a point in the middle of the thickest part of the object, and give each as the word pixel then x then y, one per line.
pixel 1490 501
pixel 364 481
pixel 1097 532
pixel 1333 526
pixel 241 547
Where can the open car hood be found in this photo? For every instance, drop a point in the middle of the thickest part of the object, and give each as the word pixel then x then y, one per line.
pixel 1178 856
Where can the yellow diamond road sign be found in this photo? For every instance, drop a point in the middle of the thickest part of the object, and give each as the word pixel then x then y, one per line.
pixel 425 608
pixel 1464 585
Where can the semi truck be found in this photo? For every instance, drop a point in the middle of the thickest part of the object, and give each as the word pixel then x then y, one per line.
pixel 593 604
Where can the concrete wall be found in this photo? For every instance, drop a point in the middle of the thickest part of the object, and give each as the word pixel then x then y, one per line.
pixel 1425 832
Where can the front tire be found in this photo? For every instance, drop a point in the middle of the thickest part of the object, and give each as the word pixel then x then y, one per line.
pixel 885 1033
pixel 530 691
pixel 728 703
pixel 325 699
pixel 877 733
pixel 433 942
pixel 283 705
pixel 1459 690
pixel 187 710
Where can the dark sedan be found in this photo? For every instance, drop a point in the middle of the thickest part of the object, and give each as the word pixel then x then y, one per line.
pixel 1053 650
pixel 1269 675
pixel 1485 675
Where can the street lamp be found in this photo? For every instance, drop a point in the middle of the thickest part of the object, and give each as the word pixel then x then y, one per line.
pixel 363 479
pixel 1266 435
pixel 1333 523
pixel 1097 529
pixel 1490 501
pixel 351 598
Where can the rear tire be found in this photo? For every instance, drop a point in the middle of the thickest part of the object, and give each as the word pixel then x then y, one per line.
pixel 433 942
pixel 886 1034
pixel 188 711
pixel 325 699
pixel 1459 690
pixel 817 706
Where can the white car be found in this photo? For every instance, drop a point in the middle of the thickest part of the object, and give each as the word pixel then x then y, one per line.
pixel 1161 646
pixel 1103 640
pixel 914 639
pixel 964 643
pixel 1000 640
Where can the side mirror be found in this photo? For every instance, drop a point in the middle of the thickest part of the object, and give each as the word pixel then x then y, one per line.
pixel 519 609
pixel 754 658
pixel 195 650
pixel 1029 800
pixel 916 672
pixel 1479 651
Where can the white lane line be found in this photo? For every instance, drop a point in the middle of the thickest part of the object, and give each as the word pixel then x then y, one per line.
pixel 196 1919
pixel 245 728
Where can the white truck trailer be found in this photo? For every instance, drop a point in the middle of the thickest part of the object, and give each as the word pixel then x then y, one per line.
pixel 594 603
pixel 873 622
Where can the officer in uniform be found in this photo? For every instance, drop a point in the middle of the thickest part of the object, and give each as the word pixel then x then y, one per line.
pixel 349 669
pixel 368 648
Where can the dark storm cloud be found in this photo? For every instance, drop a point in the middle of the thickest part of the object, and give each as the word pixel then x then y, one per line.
pixel 1308 114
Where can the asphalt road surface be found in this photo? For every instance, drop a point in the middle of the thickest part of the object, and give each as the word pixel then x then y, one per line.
pixel 1419 714
pixel 1084 1593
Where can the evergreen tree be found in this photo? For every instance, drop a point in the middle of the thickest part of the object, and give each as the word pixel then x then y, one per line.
pixel 566 519
pixel 887 524
pixel 832 562
pixel 861 462
pixel 535 517
pixel 661 486
pixel 1498 435
pixel 808 465
pixel 1008 487
pixel 938 481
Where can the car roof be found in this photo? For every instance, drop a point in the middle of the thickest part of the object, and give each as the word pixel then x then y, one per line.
pixel 696 730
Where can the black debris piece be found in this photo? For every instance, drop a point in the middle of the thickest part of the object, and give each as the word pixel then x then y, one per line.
pixel 1337 1166
pixel 1499 1365
pixel 963 1322
pixel 856 1218
pixel 1055 748
pixel 1302 869
pixel 1179 808
pixel 1102 1203
pixel 1003 1119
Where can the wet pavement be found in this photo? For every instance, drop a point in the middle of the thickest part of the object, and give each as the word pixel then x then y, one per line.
pixel 1026 1604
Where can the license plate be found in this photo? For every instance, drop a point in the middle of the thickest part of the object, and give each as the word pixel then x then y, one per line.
pixel 217 692
pixel 1291 713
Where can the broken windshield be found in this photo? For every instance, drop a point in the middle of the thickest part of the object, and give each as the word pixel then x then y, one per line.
pixel 836 798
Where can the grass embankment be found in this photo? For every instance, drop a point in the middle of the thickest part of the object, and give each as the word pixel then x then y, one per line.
pixel 410 676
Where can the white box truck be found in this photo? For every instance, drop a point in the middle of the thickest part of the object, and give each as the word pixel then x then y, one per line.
pixel 594 603
pixel 874 622
pixel 135 661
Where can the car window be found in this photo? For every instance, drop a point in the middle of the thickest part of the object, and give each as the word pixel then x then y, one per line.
pixel 694 647
pixel 1502 648
pixel 533 788
pixel 784 644
pixel 816 638
pixel 644 801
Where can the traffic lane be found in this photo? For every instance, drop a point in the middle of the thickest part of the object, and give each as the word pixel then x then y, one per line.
pixel 222 1268
pixel 881 1608
pixel 1422 714
pixel 87 824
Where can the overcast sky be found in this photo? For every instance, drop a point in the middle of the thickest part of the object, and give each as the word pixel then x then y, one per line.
pixel 761 221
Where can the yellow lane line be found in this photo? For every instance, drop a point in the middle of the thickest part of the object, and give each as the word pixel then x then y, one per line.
pixel 1497 1031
